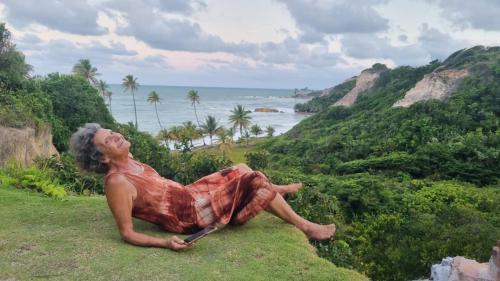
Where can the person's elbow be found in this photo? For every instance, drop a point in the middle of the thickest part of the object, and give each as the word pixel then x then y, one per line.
pixel 127 235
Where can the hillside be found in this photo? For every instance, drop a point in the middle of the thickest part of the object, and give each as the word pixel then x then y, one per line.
pixel 77 239
pixel 371 131
pixel 407 184
pixel 438 80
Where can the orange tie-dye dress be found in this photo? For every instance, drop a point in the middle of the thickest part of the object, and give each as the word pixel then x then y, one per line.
pixel 225 197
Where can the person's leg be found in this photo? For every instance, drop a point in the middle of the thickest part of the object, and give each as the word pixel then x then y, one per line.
pixel 281 189
pixel 260 187
pixel 280 208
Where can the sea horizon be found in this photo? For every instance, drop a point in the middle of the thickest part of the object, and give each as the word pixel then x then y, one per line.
pixel 222 87
pixel 174 108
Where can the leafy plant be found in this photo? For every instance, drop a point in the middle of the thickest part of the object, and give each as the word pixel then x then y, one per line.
pixel 13 175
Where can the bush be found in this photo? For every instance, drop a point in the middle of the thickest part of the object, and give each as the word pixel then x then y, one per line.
pixel 13 175
pixel 189 167
pixel 63 169
pixel 75 102
pixel 395 228
pixel 257 160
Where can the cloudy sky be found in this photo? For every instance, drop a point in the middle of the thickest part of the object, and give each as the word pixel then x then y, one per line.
pixel 239 43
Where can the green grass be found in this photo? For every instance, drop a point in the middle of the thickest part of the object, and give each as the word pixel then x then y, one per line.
pixel 76 239
pixel 237 152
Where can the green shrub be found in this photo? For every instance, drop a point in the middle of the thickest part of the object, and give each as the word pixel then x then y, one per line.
pixel 75 102
pixel 395 228
pixel 397 161
pixel 13 175
pixel 189 167
pixel 257 160
pixel 63 169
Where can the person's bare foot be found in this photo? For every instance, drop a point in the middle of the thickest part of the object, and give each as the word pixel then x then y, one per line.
pixel 290 188
pixel 320 232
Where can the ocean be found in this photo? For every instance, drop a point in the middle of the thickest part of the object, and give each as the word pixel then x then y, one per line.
pixel 175 109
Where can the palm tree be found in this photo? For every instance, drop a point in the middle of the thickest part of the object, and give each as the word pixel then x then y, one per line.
pixel 164 135
pixel 155 98
pixel 210 127
pixel 195 99
pixel 190 132
pixel 108 94
pixel 175 134
pixel 129 83
pixel 230 132
pixel 247 137
pixel 102 87
pixel 270 131
pixel 85 69
pixel 224 139
pixel 240 117
pixel 256 130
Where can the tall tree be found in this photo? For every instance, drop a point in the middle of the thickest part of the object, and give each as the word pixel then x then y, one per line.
pixel 155 98
pixel 164 135
pixel 108 94
pixel 102 87
pixel 210 127
pixel 230 132
pixel 13 69
pixel 247 137
pixel 190 132
pixel 240 117
pixel 256 130
pixel 175 134
pixel 129 83
pixel 85 69
pixel 224 140
pixel 270 131
pixel 194 98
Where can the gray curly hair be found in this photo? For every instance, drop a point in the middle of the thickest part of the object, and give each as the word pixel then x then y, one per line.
pixel 85 151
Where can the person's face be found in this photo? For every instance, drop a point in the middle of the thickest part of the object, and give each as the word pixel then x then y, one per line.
pixel 111 144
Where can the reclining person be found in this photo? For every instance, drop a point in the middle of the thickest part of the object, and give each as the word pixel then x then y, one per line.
pixel 133 189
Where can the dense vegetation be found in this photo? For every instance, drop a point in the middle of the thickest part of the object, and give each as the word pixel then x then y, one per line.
pixel 407 186
pixel 63 102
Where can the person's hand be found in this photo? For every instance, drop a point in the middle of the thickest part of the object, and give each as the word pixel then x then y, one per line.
pixel 177 244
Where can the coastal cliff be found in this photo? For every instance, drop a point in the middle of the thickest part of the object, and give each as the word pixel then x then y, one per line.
pixel 437 85
pixel 364 82
pixel 25 144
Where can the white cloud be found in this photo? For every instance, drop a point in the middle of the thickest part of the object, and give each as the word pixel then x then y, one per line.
pixel 319 18
pixel 438 44
pixel 68 16
pixel 150 25
pixel 266 43
pixel 479 14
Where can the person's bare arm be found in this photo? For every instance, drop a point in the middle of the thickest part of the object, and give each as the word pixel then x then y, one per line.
pixel 119 197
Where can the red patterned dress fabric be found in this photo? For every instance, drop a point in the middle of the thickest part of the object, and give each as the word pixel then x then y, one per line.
pixel 225 197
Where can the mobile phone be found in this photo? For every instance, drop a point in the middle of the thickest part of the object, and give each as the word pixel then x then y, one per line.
pixel 200 234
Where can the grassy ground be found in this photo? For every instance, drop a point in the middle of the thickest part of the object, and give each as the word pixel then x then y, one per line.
pixel 237 151
pixel 76 239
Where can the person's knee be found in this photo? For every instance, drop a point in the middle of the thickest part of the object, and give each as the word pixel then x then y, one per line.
pixel 243 168
pixel 259 180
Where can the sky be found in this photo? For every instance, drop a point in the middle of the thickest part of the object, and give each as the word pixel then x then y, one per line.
pixel 247 44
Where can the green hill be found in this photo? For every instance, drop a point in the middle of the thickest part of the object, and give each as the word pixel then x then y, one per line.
pixel 406 185
pixel 454 139
pixel 76 239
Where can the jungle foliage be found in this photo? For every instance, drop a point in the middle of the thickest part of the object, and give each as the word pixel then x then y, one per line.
pixel 406 186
